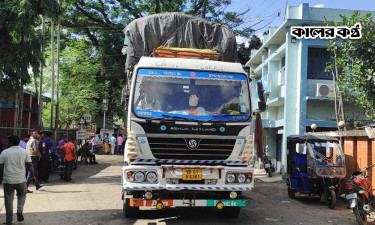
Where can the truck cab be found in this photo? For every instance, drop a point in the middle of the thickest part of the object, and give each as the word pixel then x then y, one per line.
pixel 190 136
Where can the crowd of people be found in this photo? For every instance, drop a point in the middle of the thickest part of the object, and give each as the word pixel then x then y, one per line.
pixel 112 145
pixel 35 157
pixel 31 160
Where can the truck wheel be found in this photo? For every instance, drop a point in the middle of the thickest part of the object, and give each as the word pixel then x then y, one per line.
pixel 231 211
pixel 128 210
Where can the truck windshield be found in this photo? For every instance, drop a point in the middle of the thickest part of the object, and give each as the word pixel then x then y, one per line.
pixel 191 95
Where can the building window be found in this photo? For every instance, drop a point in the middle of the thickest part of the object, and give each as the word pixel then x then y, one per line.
pixel 317 59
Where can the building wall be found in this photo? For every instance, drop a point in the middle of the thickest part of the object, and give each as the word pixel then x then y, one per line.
pixel 292 100
pixel 8 116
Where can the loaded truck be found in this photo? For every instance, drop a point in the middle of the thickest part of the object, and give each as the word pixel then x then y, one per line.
pixel 189 130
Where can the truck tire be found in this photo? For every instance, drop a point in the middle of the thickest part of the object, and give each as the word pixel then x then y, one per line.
pixel 231 212
pixel 129 211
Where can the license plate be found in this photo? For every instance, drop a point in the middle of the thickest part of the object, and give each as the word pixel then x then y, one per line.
pixel 351 196
pixel 267 165
pixel 191 174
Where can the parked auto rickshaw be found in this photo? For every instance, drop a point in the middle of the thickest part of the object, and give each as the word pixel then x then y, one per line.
pixel 315 165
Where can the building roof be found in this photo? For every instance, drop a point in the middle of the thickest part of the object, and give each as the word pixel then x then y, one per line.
pixel 108 124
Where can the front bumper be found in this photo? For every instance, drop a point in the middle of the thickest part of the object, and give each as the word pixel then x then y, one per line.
pixel 187 202
pixel 168 172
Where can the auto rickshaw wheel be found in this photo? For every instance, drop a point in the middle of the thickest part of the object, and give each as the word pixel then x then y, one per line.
pixel 331 198
pixel 291 193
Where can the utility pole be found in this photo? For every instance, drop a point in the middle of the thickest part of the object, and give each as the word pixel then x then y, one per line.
pixel 52 67
pixel 58 73
pixel 105 101
pixel 41 76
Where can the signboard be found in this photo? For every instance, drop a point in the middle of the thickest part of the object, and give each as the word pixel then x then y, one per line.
pixel 81 134
pixel 87 117
pixel 90 132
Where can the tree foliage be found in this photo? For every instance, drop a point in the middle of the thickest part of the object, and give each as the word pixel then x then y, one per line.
pixel 79 90
pixel 355 58
pixel 20 41
pixel 102 23
pixel 244 51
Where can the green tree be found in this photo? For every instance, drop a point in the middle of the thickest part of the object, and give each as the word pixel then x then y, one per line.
pixel 245 51
pixel 355 59
pixel 20 41
pixel 80 92
pixel 102 23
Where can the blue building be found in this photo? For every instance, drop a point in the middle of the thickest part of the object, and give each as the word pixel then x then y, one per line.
pixel 298 91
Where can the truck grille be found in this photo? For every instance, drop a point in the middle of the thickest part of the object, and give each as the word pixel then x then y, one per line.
pixel 176 148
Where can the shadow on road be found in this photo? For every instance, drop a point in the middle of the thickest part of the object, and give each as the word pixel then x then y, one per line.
pixel 86 173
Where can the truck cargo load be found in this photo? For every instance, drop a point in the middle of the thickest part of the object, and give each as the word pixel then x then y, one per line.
pixel 144 35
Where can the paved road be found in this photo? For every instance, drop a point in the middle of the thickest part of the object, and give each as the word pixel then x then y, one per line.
pixel 95 199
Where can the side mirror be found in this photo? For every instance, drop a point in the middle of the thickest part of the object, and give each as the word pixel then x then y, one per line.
pixel 261 100
pixel 125 97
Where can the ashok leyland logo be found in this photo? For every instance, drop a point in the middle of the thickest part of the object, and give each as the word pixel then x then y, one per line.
pixel 192 143
pixel 327 32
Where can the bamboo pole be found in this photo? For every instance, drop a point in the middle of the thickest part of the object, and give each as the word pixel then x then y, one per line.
pixel 52 68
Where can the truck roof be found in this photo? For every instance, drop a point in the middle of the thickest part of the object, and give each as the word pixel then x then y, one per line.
pixel 190 64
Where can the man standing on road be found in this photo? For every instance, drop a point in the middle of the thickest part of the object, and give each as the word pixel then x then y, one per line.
pixel 119 144
pixel 13 163
pixel 106 143
pixel 70 155
pixel 113 144
pixel 33 149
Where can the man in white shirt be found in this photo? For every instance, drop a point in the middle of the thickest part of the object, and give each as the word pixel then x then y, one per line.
pixel 13 161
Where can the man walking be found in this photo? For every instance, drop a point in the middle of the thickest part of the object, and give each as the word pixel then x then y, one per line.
pixel 70 155
pixel 33 149
pixel 13 163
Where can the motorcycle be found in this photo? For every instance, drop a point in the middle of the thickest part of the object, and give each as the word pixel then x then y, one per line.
pixel 360 197
pixel 267 162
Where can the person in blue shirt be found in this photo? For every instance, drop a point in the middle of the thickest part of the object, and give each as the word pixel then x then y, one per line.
pixel 24 141
pixel 23 144
pixel 44 162
pixel 54 156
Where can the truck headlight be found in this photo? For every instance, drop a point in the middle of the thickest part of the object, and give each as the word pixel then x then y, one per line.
pixel 238 177
pixel 151 177
pixel 139 177
pixel 241 178
pixel 231 177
